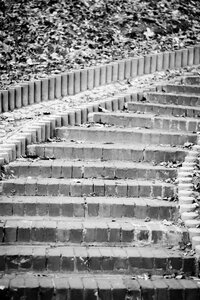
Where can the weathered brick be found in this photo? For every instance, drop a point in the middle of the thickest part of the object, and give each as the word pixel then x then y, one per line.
pixel 30 208
pixel 17 285
pixel 31 288
pixel 133 190
pixel 50 231
pixel 127 232
pixel 120 259
pixel 93 208
pixel 104 287
pixel 147 289
pixel 61 287
pixel 67 262
pixel 10 231
pixel 53 259
pixel 161 289
pixel 174 289
pixel 147 258
pixel 76 288
pixel 37 231
pixel 12 259
pixel 160 259
pixel 46 288
pixel 64 188
pixel 102 232
pixel 89 233
pixel 81 258
pixel 191 291
pixel 66 171
pixel 76 188
pixel 99 188
pixel 42 207
pixel 31 187
pixel 189 265
pixel 76 233
pixel 107 262
pixel 6 208
pixel 94 256
pixel 104 210
pixel 142 233
pixel 134 258
pixel 25 258
pixel 133 288
pixel 121 189
pixel 39 259
pixel 87 187
pixel 42 187
pixel 90 288
pixel 114 232
pixel 24 231
pixel 53 187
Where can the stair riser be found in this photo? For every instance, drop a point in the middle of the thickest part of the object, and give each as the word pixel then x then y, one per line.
pixel 106 234
pixel 88 287
pixel 75 171
pixel 152 123
pixel 193 80
pixel 125 137
pixel 61 262
pixel 70 153
pixel 187 89
pixel 163 110
pixel 173 99
pixel 56 188
pixel 91 209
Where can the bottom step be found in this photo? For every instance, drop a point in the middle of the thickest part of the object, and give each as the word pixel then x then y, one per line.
pixel 96 287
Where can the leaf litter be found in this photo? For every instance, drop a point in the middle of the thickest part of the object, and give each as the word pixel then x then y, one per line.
pixel 43 37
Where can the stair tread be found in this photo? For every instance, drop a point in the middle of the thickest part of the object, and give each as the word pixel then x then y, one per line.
pixel 111 145
pixel 106 200
pixel 124 130
pixel 53 249
pixel 52 221
pixel 95 163
pixel 185 85
pixel 109 284
pixel 146 103
pixel 174 94
pixel 130 114
pixel 47 180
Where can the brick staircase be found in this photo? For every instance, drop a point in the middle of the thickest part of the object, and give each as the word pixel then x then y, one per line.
pixel 94 214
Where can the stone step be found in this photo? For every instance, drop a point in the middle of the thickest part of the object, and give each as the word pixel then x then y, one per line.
pixel 95 169
pixel 82 286
pixel 93 231
pixel 146 121
pixel 164 109
pixel 191 80
pixel 107 152
pixel 126 260
pixel 174 99
pixel 125 135
pixel 182 89
pixel 87 207
pixel 88 187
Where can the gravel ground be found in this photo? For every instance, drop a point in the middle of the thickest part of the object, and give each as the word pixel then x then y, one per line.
pixel 11 122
